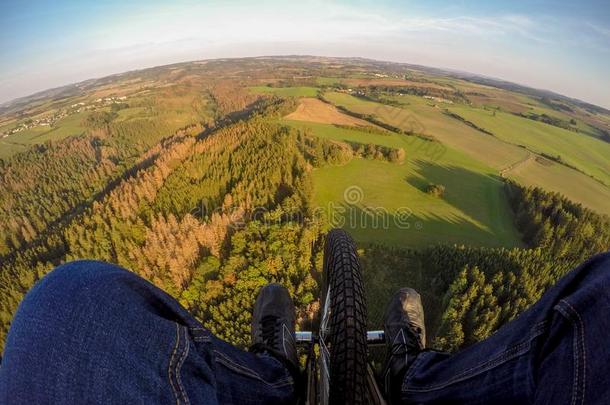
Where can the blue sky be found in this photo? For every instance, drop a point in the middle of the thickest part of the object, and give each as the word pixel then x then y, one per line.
pixel 562 46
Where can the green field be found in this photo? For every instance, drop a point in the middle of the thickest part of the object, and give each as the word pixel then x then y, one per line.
pixel 588 154
pixel 21 141
pixel 417 115
pixel 8 149
pixel 503 151
pixel 473 211
pixel 556 177
pixel 580 125
pixel 329 131
pixel 303 91
pixel 328 81
pixel 68 126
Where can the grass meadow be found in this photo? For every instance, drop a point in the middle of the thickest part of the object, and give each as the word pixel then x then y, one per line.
pixel 561 179
pixel 514 136
pixel 21 141
pixel 586 153
pixel 303 91
pixel 473 210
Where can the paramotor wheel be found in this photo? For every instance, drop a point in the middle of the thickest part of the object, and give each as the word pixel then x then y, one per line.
pixel 343 346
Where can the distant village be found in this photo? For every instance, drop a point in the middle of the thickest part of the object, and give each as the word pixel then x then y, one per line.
pixel 362 92
pixel 50 120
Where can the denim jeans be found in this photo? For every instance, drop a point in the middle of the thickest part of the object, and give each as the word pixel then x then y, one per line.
pixel 556 352
pixel 91 332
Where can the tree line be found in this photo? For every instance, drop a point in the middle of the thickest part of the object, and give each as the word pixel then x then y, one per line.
pixel 482 289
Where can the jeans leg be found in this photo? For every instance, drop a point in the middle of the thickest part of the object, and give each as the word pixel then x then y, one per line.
pixel 556 352
pixel 91 332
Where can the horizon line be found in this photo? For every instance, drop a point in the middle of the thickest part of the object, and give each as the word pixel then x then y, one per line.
pixel 443 69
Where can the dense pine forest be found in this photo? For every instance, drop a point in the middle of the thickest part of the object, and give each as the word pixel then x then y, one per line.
pixel 214 201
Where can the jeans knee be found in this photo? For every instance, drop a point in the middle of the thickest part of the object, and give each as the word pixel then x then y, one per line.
pixel 595 271
pixel 85 271
pixel 73 283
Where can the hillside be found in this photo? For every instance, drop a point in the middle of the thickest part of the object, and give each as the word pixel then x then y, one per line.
pixel 212 178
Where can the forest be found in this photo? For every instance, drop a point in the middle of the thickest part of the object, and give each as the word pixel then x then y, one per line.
pixel 215 201
pixel 485 288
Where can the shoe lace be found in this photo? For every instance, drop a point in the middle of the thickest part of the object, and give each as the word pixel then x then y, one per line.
pixel 269 326
pixel 408 337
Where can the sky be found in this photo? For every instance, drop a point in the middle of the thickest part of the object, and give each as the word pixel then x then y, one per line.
pixel 563 46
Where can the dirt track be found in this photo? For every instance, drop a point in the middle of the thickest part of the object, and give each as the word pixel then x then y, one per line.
pixel 513 166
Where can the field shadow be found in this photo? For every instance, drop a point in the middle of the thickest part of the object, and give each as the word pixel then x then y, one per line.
pixel 466 190
pixel 408 230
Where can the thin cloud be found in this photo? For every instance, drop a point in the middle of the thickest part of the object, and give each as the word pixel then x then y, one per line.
pixel 488 28
pixel 599 30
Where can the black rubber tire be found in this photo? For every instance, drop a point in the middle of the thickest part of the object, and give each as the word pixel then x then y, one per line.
pixel 348 320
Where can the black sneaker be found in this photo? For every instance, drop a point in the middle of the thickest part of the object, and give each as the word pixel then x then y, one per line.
pixel 273 322
pixel 405 335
